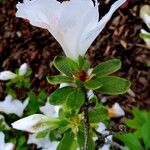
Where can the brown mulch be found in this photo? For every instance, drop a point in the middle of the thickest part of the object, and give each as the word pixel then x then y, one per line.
pixel 20 42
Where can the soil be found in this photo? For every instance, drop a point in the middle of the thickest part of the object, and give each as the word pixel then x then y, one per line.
pixel 20 42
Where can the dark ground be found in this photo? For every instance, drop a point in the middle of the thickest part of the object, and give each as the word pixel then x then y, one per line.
pixel 20 42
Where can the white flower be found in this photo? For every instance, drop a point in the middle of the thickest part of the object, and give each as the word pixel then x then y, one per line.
pixel 145 14
pixel 38 122
pixel 116 111
pixel 43 143
pixel 23 69
pixel 8 75
pixel 147 40
pixel 74 24
pixel 102 129
pixel 34 123
pixel 3 145
pixel 50 110
pixel 13 106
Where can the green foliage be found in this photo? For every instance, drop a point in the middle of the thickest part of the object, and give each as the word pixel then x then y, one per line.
pixel 67 142
pixel 130 141
pixel 98 114
pixel 59 96
pixel 107 67
pixel 93 84
pixel 113 85
pixel 141 134
pixel 83 63
pixel 58 79
pixel 145 36
pixel 75 99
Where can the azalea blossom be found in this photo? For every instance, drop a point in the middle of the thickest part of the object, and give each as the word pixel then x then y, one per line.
pixel 3 145
pixel 37 122
pixel 116 111
pixel 73 28
pixel 13 106
pixel 145 14
pixel 43 143
pixel 8 75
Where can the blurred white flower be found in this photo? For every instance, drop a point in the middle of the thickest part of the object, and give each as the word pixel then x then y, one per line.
pixel 116 111
pixel 8 75
pixel 72 27
pixel 145 14
pixel 3 145
pixel 50 110
pixel 102 129
pixel 43 143
pixel 38 122
pixel 13 106
pixel 147 40
pixel 23 69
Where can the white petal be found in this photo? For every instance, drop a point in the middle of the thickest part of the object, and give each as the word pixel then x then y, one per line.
pixel 66 84
pixel 101 127
pixel 10 106
pixel 23 69
pixel 7 75
pixel 93 31
pixel 145 14
pixel 3 145
pixel 33 123
pixel 147 41
pixel 2 142
pixel 43 143
pixel 116 111
pixel 72 26
pixel 49 110
pixel 9 146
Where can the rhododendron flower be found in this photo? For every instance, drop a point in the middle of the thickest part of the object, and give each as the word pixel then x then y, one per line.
pixel 3 145
pixel 145 14
pixel 8 75
pixel 37 122
pixel 74 24
pixel 43 143
pixel 13 106
pixel 116 111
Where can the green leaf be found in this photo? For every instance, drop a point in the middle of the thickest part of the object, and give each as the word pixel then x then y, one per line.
pixel 145 36
pixel 81 139
pixel 75 99
pixel 41 134
pixel 67 141
pixel 61 63
pixel 83 63
pixel 107 67
pixel 113 85
pixel 73 65
pixel 58 79
pixel 130 141
pixel 42 96
pixel 60 96
pixel 98 114
pixel 138 120
pixel 92 84
pixel 146 134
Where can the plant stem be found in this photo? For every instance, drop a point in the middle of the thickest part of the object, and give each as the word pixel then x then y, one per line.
pixel 86 123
